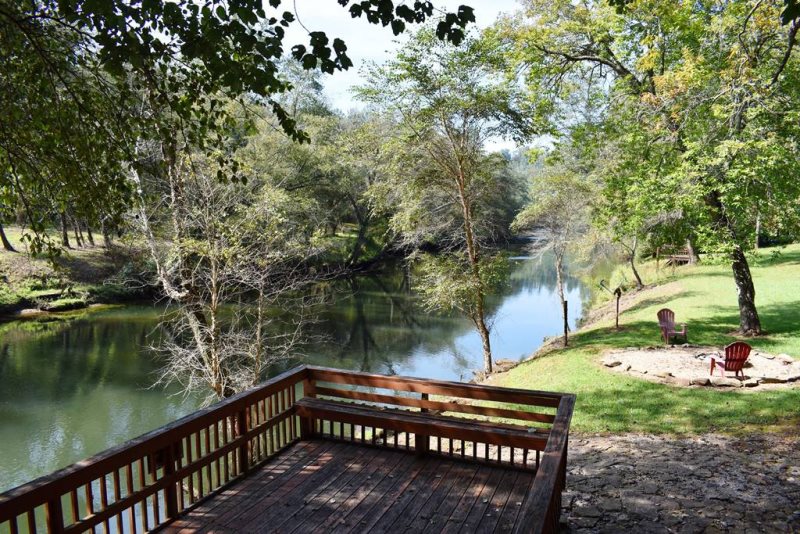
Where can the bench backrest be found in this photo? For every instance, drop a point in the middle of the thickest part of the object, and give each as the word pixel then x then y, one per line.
pixel 735 355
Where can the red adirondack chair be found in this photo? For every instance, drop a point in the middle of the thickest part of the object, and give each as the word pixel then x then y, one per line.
pixel 735 355
pixel 666 321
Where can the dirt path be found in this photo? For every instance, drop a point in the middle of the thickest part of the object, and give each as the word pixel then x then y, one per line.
pixel 709 483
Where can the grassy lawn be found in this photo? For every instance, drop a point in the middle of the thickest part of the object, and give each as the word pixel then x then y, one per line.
pixel 704 297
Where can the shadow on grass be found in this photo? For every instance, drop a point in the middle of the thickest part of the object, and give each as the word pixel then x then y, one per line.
pixel 660 302
pixel 717 328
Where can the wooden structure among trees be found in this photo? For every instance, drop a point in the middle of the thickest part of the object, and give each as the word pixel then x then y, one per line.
pixel 323 449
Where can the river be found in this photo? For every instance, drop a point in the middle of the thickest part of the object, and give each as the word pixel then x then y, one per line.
pixel 74 386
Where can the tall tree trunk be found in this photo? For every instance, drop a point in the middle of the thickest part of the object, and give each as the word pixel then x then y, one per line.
pixel 361 238
pixel 758 230
pixel 106 234
pixel 632 259
pixel 749 322
pixel 479 318
pixel 6 243
pixel 690 249
pixel 64 233
pixel 78 240
pixel 560 287
pixel 89 235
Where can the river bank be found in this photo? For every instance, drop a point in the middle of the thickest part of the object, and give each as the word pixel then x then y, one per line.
pixel 704 297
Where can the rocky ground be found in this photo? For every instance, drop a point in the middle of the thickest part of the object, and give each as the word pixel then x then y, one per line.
pixel 709 483
pixel 689 365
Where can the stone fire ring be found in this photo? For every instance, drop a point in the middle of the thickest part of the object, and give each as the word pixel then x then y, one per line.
pixel 689 365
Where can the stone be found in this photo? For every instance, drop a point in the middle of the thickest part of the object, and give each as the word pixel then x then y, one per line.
pixel 785 358
pixel 700 381
pixel 662 374
pixel 725 382
pixel 773 380
pixel 751 382
pixel 793 378
pixel 611 362
pixel 682 382
pixel 767 356
pixel 610 505
pixel 503 365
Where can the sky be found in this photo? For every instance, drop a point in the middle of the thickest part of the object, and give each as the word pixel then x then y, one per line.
pixel 368 42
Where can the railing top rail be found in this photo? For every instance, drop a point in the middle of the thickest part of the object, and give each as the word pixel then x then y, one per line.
pixel 59 482
pixel 423 385
pixel 533 516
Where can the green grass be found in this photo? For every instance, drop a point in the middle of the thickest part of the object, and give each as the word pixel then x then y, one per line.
pixel 80 273
pixel 704 297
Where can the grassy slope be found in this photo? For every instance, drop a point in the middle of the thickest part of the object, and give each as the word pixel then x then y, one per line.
pixel 705 298
pixel 25 280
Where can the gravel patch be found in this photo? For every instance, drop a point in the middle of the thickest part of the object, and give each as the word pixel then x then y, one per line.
pixel 690 366
pixel 708 483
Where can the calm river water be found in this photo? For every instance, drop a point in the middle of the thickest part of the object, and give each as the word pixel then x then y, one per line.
pixel 71 388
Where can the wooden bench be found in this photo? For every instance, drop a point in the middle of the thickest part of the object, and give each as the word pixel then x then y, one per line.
pixel 421 423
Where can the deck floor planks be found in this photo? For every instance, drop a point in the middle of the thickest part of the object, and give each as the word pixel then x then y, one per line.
pixel 508 516
pixel 360 493
pixel 230 499
pixel 497 502
pixel 326 486
pixel 286 500
pixel 312 509
pixel 481 504
pixel 433 516
pixel 271 483
pixel 356 516
pixel 458 513
pixel 396 495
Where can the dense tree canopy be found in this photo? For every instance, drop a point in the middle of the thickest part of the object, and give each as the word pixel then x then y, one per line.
pixel 692 109
pixel 86 83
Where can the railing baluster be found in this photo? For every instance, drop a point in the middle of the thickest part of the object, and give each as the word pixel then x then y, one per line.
pixel 73 500
pixel 31 521
pixel 142 485
pixel 89 498
pixel 104 501
pixel 54 516
pixel 117 495
pixel 129 489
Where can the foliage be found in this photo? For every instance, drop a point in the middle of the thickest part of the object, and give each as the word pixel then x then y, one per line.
pixel 692 111
pixel 449 103
pixel 88 84
pixel 558 214
pixel 445 282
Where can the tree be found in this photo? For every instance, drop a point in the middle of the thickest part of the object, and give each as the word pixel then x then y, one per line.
pixel 558 214
pixel 710 90
pixel 449 104
pixel 227 254
pixel 85 83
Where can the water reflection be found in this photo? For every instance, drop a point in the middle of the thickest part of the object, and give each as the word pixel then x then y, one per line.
pixel 69 389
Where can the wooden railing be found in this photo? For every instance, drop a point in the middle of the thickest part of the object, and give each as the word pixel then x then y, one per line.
pixel 517 428
pixel 148 481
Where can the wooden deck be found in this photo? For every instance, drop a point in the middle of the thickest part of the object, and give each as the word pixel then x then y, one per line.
pixel 328 486
pixel 318 449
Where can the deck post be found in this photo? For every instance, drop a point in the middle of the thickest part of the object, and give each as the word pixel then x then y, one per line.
pixel 55 516
pixel 422 442
pixel 245 452
pixel 171 489
pixel 306 423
